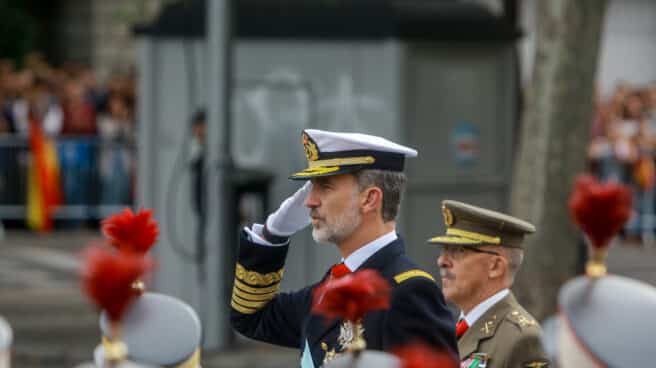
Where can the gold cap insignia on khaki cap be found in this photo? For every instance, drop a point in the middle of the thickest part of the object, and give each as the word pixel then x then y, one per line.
pixel 471 225
pixel 448 216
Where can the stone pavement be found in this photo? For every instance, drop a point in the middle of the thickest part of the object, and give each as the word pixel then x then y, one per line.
pixel 54 326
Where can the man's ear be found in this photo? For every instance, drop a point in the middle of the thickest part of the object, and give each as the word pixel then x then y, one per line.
pixel 371 199
pixel 498 267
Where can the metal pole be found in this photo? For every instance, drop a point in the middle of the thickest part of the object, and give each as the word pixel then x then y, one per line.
pixel 220 238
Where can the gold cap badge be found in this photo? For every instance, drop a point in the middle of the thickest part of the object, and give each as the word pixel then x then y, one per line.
pixel 310 148
pixel 448 216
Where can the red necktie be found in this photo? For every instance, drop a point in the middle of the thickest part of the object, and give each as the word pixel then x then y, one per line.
pixel 339 270
pixel 461 327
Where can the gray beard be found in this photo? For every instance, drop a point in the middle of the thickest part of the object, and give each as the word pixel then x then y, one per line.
pixel 338 231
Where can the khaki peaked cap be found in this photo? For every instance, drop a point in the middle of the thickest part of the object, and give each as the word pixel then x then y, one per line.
pixel 471 225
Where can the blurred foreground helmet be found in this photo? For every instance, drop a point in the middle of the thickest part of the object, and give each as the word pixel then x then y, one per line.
pixel 6 337
pixel 409 356
pixel 158 330
pixel 138 329
pixel 604 320
pixel 366 359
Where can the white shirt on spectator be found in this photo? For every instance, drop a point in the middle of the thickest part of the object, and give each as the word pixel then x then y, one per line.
pixel 52 120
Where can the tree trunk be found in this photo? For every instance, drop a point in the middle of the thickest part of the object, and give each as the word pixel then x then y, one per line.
pixel 554 136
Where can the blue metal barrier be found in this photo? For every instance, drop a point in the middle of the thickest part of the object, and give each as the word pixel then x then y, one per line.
pixel 96 176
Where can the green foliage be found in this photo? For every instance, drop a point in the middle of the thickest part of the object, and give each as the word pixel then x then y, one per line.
pixel 17 30
pixel 135 11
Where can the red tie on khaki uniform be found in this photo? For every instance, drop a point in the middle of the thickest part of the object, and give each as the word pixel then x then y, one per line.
pixel 461 328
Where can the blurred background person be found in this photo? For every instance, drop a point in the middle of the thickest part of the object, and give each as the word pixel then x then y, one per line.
pixel 116 136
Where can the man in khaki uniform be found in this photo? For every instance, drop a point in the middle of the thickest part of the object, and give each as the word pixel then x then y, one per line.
pixel 481 253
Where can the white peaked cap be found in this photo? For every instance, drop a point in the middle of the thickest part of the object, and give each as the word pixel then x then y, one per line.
pixel 334 153
pixel 336 141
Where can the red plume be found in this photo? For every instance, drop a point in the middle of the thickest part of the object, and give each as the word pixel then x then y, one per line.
pixel 131 232
pixel 350 297
pixel 421 356
pixel 599 209
pixel 107 278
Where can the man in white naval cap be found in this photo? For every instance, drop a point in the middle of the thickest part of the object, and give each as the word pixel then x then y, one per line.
pixel 158 331
pixel 353 194
pixel 6 337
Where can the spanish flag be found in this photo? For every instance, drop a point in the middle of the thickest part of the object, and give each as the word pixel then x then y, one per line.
pixel 44 188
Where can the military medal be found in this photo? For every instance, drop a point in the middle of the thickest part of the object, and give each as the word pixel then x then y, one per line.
pixel 329 354
pixel 349 333
pixel 476 360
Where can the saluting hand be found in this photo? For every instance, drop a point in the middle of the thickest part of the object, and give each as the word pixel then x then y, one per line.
pixel 292 215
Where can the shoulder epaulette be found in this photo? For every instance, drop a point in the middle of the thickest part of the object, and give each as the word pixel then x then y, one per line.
pixel 403 276
pixel 521 319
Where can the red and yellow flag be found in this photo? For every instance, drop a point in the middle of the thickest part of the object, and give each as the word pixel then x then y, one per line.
pixel 44 189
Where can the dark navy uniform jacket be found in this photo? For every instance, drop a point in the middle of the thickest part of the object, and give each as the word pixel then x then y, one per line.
pixel 417 310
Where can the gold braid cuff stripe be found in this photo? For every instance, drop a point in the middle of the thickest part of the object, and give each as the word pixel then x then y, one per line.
pixel 362 160
pixel 252 290
pixel 246 303
pixel 252 297
pixel 241 309
pixel 473 236
pixel 256 278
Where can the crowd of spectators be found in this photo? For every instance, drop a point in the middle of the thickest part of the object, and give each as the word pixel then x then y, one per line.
pixel 623 148
pixel 92 124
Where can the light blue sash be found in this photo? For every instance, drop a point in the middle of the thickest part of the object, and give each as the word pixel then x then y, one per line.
pixel 306 358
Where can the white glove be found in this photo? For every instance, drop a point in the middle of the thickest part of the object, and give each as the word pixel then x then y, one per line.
pixel 292 215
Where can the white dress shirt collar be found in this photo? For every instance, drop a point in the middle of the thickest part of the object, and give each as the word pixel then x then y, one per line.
pixel 357 258
pixel 483 307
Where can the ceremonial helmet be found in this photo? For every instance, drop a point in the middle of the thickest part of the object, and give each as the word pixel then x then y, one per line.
pixel 6 337
pixel 604 320
pixel 158 330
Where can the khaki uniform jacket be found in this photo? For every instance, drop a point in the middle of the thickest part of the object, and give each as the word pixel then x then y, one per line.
pixel 506 336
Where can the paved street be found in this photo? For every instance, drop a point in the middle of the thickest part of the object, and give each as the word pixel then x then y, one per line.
pixel 55 326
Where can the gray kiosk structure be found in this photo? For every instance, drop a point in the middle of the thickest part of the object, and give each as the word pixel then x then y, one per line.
pixel 440 76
